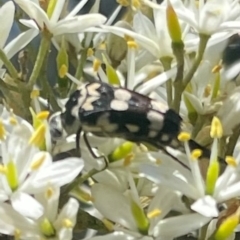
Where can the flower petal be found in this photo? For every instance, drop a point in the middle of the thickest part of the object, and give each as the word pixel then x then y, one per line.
pixel 106 199
pixel 26 205
pixel 78 24
pixel 6 20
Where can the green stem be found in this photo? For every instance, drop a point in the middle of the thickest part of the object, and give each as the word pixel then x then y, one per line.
pixel 12 70
pixel 178 50
pixel 79 181
pixel 197 126
pixel 42 53
pixel 201 49
pixel 166 62
pixel 81 63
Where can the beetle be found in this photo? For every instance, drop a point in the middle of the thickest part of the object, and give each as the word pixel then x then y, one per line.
pixel 108 111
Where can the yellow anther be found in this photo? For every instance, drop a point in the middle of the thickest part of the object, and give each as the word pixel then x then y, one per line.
pixel 43 115
pixel 108 224
pixel 158 161
pixel 136 4
pixel 216 128
pixel 38 163
pixel 123 3
pixel 154 213
pixel 231 161
pixel 128 159
pixel 67 223
pixel 184 136
pixel 38 136
pixel 2 130
pixel 49 193
pixel 216 68
pixel 207 90
pixel 35 93
pixel 227 227
pixel 128 38
pixel 62 71
pixel 17 234
pixel 13 120
pixel 132 44
pixel 102 46
pixel 96 64
pixel 196 153
pixel 90 52
pixel 3 169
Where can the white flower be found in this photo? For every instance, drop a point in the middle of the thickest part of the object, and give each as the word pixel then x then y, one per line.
pixel 70 24
pixel 206 194
pixel 25 170
pixel 154 224
pixel 51 225
pixel 6 18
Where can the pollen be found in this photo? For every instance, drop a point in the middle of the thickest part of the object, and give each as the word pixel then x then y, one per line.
pixel 216 128
pixel 43 115
pixel 13 121
pixel 136 4
pixel 38 136
pixel 90 52
pixel 158 161
pixel 128 38
pixel 3 169
pixel 17 234
pixel 196 153
pixel 62 71
pixel 34 94
pixel 2 130
pixel 38 163
pixel 207 90
pixel 123 3
pixel 67 223
pixel 154 213
pixel 216 68
pixel 231 161
pixel 49 193
pixel 128 159
pixel 96 64
pixel 184 137
pixel 108 224
pixel 132 44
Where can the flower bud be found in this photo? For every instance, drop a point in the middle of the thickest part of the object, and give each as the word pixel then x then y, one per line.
pixel 116 46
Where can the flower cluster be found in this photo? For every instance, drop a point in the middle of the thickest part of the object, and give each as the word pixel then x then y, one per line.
pixel 183 54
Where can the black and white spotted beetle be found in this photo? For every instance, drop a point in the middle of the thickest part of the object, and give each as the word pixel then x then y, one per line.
pixel 110 111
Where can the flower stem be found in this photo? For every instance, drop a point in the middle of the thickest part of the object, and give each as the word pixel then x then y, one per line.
pixel 81 63
pixel 178 50
pixel 12 70
pixel 43 51
pixel 201 49
pixel 166 62
pixel 79 180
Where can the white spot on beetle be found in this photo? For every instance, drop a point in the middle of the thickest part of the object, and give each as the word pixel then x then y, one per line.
pixel 158 106
pixel 92 89
pixel 132 128
pixel 122 94
pixel 87 106
pixel 165 138
pixel 119 105
pixel 156 120
pixel 152 133
pixel 112 127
